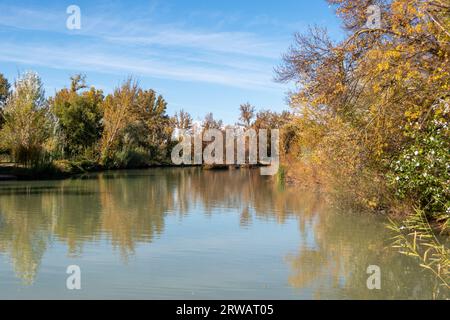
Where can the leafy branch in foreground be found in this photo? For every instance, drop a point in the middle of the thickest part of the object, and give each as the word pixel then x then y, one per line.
pixel 417 239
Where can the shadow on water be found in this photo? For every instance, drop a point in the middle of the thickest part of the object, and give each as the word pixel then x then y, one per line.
pixel 37 191
pixel 130 207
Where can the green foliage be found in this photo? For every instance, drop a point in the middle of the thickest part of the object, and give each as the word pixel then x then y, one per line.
pixel 79 117
pixel 82 129
pixel 4 93
pixel 27 125
pixel 281 175
pixel 134 119
pixel 75 167
pixel 151 114
pixel 422 170
pixel 4 90
pixel 131 158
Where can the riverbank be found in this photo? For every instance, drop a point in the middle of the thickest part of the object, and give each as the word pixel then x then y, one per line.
pixel 52 171
pixel 60 170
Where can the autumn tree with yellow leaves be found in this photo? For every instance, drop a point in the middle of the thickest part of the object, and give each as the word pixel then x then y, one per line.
pixel 136 127
pixel 372 111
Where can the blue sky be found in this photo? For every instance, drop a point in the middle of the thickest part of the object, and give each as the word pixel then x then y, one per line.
pixel 202 55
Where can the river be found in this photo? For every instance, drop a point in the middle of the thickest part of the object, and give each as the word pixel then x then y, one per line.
pixel 187 233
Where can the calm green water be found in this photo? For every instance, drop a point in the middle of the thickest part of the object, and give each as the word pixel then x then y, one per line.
pixel 192 234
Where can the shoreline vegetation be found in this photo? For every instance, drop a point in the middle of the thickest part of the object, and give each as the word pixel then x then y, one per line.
pixel 80 130
pixel 61 170
pixel 369 122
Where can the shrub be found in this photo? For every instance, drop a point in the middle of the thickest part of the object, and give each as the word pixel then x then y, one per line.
pixel 422 170
pixel 131 158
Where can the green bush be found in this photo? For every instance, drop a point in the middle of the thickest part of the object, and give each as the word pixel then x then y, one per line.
pixel 131 158
pixel 422 170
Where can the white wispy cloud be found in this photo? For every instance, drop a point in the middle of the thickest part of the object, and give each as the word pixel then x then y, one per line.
pixel 112 44
pixel 227 42
pixel 87 59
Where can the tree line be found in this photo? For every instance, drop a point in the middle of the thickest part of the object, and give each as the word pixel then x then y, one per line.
pixel 127 128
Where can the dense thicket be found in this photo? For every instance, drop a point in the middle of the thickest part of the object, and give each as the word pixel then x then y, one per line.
pixel 373 111
pixel 374 108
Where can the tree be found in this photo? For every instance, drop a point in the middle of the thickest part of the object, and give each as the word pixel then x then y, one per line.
pixel 183 121
pixel 151 111
pixel 267 119
pixel 78 82
pixel 4 90
pixel 373 110
pixel 135 120
pixel 79 117
pixel 372 88
pixel 27 125
pixel 210 123
pixel 247 113
pixel 4 93
pixel 118 111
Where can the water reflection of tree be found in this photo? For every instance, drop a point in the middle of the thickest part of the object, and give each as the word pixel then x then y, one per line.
pixel 344 246
pixel 77 213
pixel 130 208
pixel 24 229
pixel 133 209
